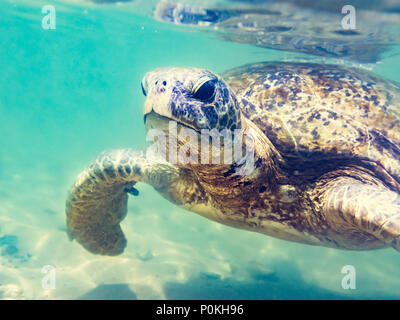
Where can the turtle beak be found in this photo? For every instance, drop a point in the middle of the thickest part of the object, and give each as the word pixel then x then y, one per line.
pixel 148 107
pixel 157 102
pixel 145 118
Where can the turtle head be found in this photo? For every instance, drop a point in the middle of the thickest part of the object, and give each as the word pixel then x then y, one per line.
pixel 194 97
pixel 203 108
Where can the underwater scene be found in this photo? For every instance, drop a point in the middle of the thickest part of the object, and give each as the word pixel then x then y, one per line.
pixel 317 82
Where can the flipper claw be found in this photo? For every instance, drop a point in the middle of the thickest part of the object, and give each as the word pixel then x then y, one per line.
pixel 133 191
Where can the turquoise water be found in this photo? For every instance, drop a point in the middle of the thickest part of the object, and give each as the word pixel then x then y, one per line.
pixel 70 93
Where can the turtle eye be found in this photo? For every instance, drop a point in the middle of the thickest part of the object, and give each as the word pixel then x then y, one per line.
pixel 144 91
pixel 206 91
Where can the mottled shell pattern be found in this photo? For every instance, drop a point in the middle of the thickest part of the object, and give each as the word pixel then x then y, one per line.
pixel 328 114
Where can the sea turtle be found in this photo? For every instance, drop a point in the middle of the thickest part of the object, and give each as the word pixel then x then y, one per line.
pixel 326 147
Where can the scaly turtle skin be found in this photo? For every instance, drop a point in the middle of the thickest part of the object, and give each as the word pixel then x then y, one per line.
pixel 326 157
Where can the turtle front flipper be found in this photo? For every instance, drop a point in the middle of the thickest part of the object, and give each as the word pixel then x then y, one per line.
pixel 97 202
pixel 364 211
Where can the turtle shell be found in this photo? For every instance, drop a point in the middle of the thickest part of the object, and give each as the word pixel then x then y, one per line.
pixel 323 116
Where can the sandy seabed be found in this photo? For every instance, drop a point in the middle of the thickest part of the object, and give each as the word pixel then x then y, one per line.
pixel 171 254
